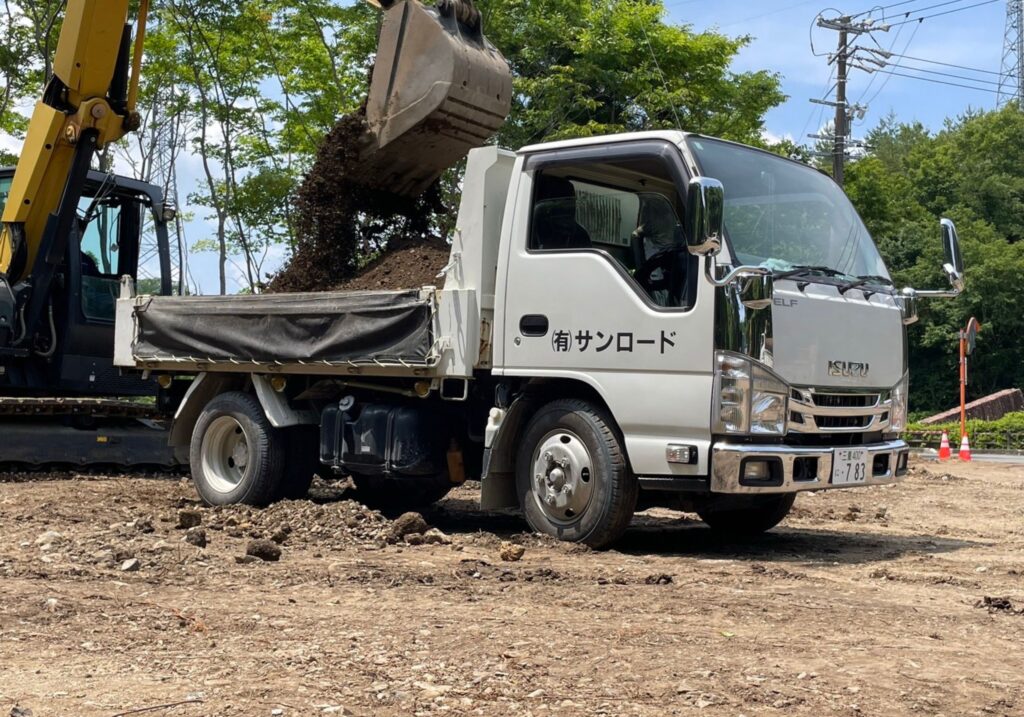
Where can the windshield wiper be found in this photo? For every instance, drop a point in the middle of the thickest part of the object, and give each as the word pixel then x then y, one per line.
pixel 876 279
pixel 805 270
pixel 865 280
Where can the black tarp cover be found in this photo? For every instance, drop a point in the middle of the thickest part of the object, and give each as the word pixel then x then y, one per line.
pixel 357 327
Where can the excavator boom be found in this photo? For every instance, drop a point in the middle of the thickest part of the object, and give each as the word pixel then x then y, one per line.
pixel 85 107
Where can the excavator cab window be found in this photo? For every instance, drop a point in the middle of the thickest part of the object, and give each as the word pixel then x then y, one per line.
pixel 102 259
pixel 5 189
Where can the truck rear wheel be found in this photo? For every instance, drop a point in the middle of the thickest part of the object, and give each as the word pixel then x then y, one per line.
pixel 572 476
pixel 764 513
pixel 236 455
pixel 397 495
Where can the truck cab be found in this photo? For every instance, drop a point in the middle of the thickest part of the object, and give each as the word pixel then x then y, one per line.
pixel 725 305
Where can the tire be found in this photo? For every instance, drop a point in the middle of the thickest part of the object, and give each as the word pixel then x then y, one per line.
pixel 398 495
pixel 302 461
pixel 236 455
pixel 765 513
pixel 572 476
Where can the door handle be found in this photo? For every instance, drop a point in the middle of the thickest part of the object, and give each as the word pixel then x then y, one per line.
pixel 534 325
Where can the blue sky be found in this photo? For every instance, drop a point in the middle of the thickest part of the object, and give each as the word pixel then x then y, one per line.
pixel 781 43
pixel 780 28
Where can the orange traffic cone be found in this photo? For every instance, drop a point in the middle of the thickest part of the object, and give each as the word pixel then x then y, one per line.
pixel 944 452
pixel 965 449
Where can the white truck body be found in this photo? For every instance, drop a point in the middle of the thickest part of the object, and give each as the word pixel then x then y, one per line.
pixel 669 352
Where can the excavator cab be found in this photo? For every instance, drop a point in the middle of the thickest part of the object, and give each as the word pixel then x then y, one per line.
pixel 120 229
pixel 439 89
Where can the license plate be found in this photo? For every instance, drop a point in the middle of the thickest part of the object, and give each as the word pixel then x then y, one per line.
pixel 850 466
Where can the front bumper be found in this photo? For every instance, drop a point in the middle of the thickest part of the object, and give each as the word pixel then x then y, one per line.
pixel 794 469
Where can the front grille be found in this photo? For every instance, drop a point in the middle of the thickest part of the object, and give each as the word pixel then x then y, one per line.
pixel 843 421
pixel 845 400
pixel 827 411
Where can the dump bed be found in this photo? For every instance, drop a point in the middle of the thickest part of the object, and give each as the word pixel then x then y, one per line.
pixel 285 331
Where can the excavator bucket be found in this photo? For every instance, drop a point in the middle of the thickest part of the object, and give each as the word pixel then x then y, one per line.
pixel 439 89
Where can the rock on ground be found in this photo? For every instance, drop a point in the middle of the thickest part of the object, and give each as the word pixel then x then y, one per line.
pixel 266 550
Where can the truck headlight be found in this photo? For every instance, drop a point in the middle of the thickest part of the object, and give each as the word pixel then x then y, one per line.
pixel 752 400
pixel 898 412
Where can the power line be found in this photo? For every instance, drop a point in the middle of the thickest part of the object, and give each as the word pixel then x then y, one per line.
pixel 928 79
pixel 884 7
pixel 949 74
pixel 886 81
pixel 937 62
pixel 664 80
pixel 821 114
pixel 914 11
pixel 874 77
pixel 769 13
pixel 940 14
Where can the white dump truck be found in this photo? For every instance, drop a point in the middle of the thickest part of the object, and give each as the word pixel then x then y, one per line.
pixel 657 318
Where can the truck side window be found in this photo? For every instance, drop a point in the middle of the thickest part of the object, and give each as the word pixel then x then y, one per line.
pixel 555 225
pixel 630 212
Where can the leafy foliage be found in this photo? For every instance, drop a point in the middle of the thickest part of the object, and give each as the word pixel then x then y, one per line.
pixel 970 172
pixel 584 67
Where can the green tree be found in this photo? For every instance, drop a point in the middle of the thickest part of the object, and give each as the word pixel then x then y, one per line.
pixel 588 67
pixel 971 172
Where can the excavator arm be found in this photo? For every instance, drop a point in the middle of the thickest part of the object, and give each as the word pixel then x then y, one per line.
pixel 88 103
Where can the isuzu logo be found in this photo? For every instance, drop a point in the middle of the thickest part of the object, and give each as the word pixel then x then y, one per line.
pixel 848 369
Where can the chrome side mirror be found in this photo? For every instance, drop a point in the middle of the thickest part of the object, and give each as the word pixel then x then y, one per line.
pixel 756 293
pixel 907 300
pixel 953 266
pixel 705 211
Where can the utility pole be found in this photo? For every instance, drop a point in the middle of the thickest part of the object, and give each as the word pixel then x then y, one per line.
pixel 1011 83
pixel 846 27
pixel 839 146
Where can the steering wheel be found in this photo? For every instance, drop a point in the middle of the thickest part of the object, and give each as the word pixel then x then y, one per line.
pixel 667 260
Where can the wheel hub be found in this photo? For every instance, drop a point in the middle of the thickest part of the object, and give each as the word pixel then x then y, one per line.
pixel 225 454
pixel 563 476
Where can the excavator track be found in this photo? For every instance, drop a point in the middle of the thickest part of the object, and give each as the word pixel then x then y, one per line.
pixel 43 434
pixel 94 407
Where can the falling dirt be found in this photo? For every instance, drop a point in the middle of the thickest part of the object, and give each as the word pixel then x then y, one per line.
pixel 341 220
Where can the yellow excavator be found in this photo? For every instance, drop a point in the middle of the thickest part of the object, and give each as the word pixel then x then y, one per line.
pixel 69 233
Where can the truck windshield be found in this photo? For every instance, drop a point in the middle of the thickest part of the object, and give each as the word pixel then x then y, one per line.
pixel 785 215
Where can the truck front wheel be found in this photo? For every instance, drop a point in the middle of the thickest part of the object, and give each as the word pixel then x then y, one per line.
pixel 236 455
pixel 763 514
pixel 572 475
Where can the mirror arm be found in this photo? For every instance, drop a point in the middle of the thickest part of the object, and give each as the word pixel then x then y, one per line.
pixel 740 272
pixel 950 294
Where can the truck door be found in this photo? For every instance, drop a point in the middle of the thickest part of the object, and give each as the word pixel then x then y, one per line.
pixel 600 288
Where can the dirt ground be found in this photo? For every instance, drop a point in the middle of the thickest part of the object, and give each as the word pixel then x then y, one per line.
pixel 864 602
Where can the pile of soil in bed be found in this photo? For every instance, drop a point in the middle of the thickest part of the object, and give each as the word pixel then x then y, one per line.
pixel 407 264
pixel 340 220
